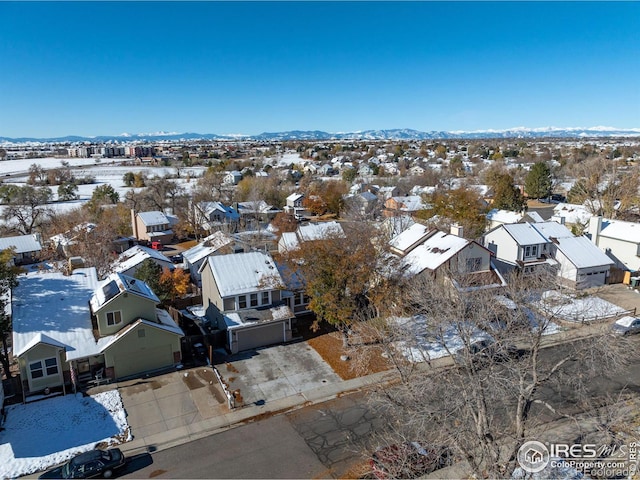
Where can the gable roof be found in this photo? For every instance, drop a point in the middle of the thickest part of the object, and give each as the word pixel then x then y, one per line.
pixel 207 208
pixel 163 322
pixel 208 246
pixel 582 252
pixel 117 283
pixel 241 273
pixel 138 254
pixel 552 229
pixel 410 203
pixel 53 308
pixel 153 218
pixel 21 243
pixel 524 233
pixel 434 252
pixel 408 239
pixel 319 231
pixel 504 216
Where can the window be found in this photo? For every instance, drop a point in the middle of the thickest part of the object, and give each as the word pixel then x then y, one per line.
pixel 253 299
pixel 113 318
pixel 36 369
pixel 534 250
pixel 43 368
pixel 265 298
pixel 298 299
pixel 474 264
pixel 531 251
pixel 52 366
pixel 242 301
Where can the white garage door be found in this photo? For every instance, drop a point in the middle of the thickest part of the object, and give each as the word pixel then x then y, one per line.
pixel 260 336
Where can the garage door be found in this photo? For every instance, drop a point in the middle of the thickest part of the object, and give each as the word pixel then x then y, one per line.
pixel 593 280
pixel 260 336
pixel 144 361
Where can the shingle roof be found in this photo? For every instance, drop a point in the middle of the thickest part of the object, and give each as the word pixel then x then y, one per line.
pixel 241 273
pixel 627 231
pixel 153 218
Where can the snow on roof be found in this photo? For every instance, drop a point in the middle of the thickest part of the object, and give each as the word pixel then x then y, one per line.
pixel 288 241
pixel 319 231
pixel 28 444
pixel 434 252
pixel 535 216
pixel 54 307
pixel 21 243
pixel 571 213
pixel 294 196
pixel 410 237
pixel 504 216
pixel 241 273
pixel 255 207
pixel 117 283
pixel 524 233
pixel 153 218
pixel 209 207
pixel 626 231
pixel 410 203
pixel 208 246
pixel 582 252
pixel 552 229
pixel 243 318
pixel 138 254
pixel 626 321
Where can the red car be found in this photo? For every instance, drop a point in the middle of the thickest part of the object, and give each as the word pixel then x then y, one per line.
pixel 408 460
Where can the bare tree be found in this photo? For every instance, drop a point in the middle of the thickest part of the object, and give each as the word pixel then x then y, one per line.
pixel 496 383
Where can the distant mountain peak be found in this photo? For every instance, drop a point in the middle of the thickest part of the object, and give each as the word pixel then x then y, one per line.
pixel 384 134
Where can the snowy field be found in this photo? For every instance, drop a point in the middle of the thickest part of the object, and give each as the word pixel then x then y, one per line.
pixel 105 172
pixel 42 434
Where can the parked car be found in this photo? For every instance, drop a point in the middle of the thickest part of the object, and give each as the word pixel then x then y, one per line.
pixel 626 326
pixel 485 350
pixel 95 463
pixel 409 460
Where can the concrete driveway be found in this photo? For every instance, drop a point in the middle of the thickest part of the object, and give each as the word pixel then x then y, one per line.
pixel 270 373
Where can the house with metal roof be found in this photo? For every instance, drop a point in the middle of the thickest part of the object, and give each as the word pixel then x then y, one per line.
pixel 84 331
pixel 242 294
pixel 26 247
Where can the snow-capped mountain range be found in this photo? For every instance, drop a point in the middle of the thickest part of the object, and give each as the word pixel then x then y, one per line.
pixel 392 134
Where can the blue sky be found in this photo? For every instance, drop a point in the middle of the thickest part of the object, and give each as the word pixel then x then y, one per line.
pixel 101 68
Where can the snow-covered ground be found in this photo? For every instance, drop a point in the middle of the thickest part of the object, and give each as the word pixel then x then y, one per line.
pixel 577 309
pixel 425 347
pixel 105 172
pixel 42 434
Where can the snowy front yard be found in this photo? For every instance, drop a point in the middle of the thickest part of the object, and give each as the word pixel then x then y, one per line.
pixel 577 309
pixel 42 434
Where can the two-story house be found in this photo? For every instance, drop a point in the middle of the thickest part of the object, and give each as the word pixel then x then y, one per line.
pixel 217 243
pixel 409 205
pixel 242 293
pixel 445 257
pixel 151 227
pixel 83 330
pixel 293 205
pixel 214 215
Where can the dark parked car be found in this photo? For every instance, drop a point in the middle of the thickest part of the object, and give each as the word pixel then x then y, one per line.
pixel 409 460
pixel 95 463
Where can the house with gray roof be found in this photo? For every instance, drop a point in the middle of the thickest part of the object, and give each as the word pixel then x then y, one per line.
pixel 129 261
pixel 26 248
pixel 154 226
pixel 218 243
pixel 242 294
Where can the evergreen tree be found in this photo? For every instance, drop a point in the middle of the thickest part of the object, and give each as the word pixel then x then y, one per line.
pixel 506 195
pixel 538 183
